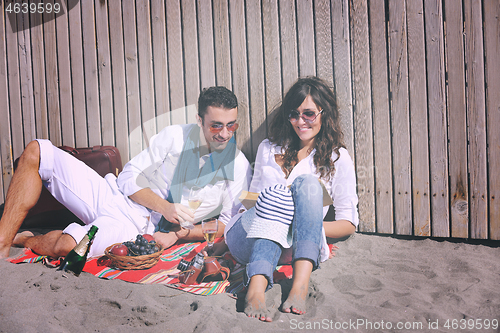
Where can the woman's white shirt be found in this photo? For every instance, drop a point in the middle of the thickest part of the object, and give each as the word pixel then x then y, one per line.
pixel 341 187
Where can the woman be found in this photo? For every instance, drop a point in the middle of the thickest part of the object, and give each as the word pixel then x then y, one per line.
pixel 304 145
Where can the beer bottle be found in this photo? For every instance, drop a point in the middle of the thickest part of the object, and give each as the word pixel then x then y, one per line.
pixel 76 258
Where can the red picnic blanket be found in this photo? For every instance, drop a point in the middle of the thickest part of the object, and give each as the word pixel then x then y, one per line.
pixel 164 272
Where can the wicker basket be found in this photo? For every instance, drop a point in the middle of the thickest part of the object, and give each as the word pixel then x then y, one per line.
pixel 134 262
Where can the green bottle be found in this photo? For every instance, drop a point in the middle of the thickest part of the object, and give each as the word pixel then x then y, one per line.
pixel 76 258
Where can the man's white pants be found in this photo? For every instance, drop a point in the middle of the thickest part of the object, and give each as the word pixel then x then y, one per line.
pixel 92 198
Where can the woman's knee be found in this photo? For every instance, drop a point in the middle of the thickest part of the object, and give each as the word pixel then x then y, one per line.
pixel 308 186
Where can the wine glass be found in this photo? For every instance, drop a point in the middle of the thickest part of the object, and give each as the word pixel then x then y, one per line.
pixel 209 228
pixel 195 198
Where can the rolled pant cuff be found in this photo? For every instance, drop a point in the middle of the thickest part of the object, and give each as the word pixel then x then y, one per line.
pixel 260 267
pixel 306 249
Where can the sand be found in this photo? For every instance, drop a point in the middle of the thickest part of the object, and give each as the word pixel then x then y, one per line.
pixel 375 283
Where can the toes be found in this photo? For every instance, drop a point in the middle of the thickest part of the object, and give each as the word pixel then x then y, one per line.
pixel 290 308
pixel 266 319
pixel 297 311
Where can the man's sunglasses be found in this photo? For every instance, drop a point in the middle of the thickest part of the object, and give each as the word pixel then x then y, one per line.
pixel 308 116
pixel 216 128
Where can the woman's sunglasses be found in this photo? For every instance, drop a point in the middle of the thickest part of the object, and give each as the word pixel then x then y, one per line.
pixel 308 116
pixel 216 128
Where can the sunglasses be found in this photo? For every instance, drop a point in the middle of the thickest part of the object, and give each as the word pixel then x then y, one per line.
pixel 216 128
pixel 307 116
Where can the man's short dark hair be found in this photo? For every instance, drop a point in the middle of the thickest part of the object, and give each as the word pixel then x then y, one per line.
pixel 217 97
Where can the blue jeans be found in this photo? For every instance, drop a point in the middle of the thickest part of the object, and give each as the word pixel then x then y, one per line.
pixel 262 255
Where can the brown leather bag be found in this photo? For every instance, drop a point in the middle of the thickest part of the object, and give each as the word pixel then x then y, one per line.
pixel 213 268
pixel 190 276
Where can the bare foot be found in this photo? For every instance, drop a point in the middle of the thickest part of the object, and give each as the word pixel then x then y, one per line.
pixel 255 306
pixel 21 238
pixel 296 301
pixel 4 251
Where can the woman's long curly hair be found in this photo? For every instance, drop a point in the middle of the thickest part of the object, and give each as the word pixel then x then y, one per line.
pixel 330 137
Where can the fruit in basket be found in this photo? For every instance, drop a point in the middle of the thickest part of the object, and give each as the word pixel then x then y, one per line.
pixel 141 246
pixel 119 250
pixel 148 237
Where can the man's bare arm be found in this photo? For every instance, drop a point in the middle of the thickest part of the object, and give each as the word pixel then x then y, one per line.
pixel 176 233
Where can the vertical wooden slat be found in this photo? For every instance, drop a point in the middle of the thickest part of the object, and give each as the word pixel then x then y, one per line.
pixel 222 47
pixel 418 118
pixel 91 73
pixel 26 76
pixel 438 138
pixel 5 134
pixel 39 88
pixel 160 63
pixel 77 74
pixel 175 67
pixel 288 34
pixel 191 57
pixel 305 32
pixel 457 125
pixel 146 68
pixel 381 118
pixel 342 70
pixel 104 68
pixel 239 67
pixel 476 119
pixel 257 104
pixel 492 50
pixel 398 67
pixel 118 76
pixel 52 79
pixel 14 87
pixel 323 40
pixel 65 86
pixel 206 44
pixel 272 59
pixel 363 114
pixel 132 78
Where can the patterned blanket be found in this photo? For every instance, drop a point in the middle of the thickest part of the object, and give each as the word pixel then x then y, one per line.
pixel 164 272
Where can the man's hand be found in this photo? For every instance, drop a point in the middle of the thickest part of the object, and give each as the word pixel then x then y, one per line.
pixel 175 212
pixel 165 239
pixel 172 212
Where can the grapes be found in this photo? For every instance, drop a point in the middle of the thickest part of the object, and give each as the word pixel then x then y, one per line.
pixel 141 246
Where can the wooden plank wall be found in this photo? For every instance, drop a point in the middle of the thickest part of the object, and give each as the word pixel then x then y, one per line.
pixel 416 82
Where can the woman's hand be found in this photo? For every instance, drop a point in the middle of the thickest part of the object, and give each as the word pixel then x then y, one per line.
pixel 217 250
pixel 332 252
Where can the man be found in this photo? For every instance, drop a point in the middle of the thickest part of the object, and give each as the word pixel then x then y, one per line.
pixel 149 195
